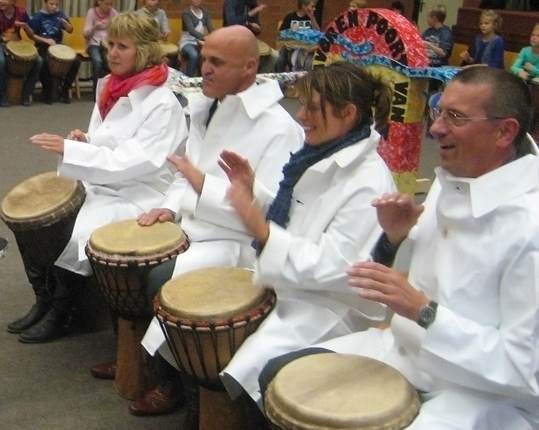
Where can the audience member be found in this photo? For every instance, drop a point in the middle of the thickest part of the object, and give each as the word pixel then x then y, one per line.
pixel 151 8
pixel 196 25
pixel 291 58
pixel 12 19
pixel 488 47
pixel 48 26
pixel 95 31
pixel 526 66
pixel 438 37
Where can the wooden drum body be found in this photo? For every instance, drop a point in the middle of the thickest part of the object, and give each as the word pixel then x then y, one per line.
pixel 170 51
pixel 41 212
pixel 121 255
pixel 206 315
pixel 338 391
pixel 59 60
pixel 20 57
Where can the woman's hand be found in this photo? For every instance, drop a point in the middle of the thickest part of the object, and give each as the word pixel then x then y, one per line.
pixel 49 142
pixel 77 135
pixel 237 169
pixel 189 171
pixel 397 214
pixel 240 197
pixel 382 284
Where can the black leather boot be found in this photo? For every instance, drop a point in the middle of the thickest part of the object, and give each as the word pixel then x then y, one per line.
pixel 33 316
pixel 52 326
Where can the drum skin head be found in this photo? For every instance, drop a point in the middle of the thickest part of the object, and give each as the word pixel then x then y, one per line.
pixel 128 238
pixel 22 49
pixel 38 196
pixel 340 391
pixel 62 52
pixel 211 294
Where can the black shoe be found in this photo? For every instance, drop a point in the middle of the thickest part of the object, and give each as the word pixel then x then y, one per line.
pixel 37 312
pixel 52 326
pixel 26 101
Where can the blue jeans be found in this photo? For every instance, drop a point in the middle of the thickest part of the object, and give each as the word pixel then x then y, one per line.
pixel 99 63
pixel 191 52
pixel 29 82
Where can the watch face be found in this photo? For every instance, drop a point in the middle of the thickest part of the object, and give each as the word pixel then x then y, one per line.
pixel 427 314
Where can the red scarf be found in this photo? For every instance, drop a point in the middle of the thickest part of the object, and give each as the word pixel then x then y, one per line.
pixel 117 87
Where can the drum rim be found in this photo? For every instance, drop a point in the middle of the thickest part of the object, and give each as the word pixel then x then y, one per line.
pixel 50 217
pixel 284 417
pixel 260 309
pixel 122 260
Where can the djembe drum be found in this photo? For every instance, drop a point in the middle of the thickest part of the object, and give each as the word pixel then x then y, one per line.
pixel 20 57
pixel 41 212
pixel 59 60
pixel 121 255
pixel 339 391
pixel 170 52
pixel 206 315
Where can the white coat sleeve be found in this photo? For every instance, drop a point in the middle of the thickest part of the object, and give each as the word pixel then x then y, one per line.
pixel 501 359
pixel 212 205
pixel 292 261
pixel 159 135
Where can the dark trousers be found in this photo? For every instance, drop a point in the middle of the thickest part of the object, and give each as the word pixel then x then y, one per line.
pixel 39 250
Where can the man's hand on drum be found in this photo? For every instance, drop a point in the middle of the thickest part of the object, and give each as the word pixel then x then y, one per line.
pixel 397 214
pixel 49 142
pixel 189 171
pixel 156 215
pixel 382 284
pixel 77 135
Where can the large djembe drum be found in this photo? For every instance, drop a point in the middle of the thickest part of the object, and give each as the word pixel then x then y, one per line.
pixel 41 212
pixel 20 57
pixel 206 315
pixel 339 392
pixel 121 255
pixel 59 60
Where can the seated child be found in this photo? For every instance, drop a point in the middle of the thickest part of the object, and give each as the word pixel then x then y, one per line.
pixel 487 48
pixel 526 66
pixel 48 25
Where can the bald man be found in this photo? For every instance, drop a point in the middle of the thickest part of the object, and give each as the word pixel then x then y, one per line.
pixel 233 113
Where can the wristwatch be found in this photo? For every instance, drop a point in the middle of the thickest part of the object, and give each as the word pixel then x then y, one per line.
pixel 427 314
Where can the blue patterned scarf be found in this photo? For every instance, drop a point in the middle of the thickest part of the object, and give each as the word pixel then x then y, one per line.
pixel 300 161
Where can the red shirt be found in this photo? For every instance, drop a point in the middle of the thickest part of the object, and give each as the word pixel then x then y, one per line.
pixel 8 31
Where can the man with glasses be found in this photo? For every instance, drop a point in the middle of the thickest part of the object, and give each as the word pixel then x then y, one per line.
pixel 465 330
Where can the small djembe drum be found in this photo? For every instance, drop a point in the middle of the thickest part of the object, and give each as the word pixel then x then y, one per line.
pixel 59 60
pixel 121 255
pixel 41 212
pixel 20 57
pixel 206 315
pixel 170 52
pixel 339 391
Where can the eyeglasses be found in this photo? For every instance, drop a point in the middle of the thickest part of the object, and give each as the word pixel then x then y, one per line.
pixel 456 119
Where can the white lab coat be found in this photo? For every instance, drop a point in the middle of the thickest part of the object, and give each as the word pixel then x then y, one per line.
pixel 253 124
pixel 123 166
pixel 475 250
pixel 332 225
